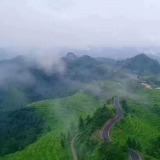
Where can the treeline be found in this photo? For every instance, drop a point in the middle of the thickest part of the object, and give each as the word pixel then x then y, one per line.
pixel 89 144
pixel 156 109
pixel 86 127
pixel 154 150
pixel 133 144
pixel 126 108
pixel 110 151
pixel 66 138
pixel 20 128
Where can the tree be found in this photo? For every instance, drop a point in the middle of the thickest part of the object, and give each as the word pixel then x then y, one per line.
pixel 139 147
pixel 69 136
pixel 109 101
pixel 125 106
pixel 49 128
pixel 81 123
pixel 129 142
pixel 62 143
pixel 156 109
pixel 72 127
pixel 134 143
pixel 88 119
pixel 124 148
pixel 109 151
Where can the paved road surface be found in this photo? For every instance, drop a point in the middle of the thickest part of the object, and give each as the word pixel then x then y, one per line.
pixel 133 155
pixel 106 131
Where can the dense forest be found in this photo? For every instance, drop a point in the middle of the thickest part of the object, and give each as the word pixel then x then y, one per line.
pixel 19 129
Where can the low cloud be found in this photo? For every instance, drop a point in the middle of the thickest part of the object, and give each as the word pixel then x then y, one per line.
pixel 13 73
pixel 48 62
pixel 18 70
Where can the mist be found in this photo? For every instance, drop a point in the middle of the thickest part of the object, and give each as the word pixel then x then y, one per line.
pixel 19 69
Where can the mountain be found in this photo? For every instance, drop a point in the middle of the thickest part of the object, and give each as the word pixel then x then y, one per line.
pixel 118 53
pixel 71 56
pixel 108 61
pixel 25 80
pixel 77 99
pixel 141 64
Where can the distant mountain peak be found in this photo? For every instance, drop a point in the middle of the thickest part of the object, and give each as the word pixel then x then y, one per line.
pixel 141 55
pixel 71 56
pixel 141 64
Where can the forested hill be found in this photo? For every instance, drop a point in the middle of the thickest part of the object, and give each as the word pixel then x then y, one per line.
pixel 81 92
pixel 141 64
pixel 25 80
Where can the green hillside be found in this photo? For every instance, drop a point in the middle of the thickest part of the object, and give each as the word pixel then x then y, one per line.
pixel 43 130
pixel 89 144
pixel 141 122
pixel 59 114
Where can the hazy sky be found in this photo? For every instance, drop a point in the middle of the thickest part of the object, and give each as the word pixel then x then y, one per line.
pixel 80 23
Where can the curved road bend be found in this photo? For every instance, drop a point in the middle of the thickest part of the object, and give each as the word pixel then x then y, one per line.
pixel 106 131
pixel 133 155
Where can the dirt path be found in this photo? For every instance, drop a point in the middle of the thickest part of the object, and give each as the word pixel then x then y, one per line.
pixel 73 149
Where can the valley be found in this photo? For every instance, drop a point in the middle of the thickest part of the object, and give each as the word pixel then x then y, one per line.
pixel 72 108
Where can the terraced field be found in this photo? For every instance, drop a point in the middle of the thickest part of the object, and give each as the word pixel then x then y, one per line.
pixel 137 128
pixel 142 124
pixel 59 114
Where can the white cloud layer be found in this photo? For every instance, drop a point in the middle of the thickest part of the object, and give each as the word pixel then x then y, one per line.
pixel 80 23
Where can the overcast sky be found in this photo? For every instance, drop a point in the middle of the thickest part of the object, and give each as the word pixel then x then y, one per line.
pixel 80 23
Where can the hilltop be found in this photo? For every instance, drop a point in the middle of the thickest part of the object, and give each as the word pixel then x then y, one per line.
pixel 141 64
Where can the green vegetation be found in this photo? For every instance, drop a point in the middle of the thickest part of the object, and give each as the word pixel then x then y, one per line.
pixel 89 144
pixel 133 144
pixel 21 128
pixel 110 151
pixel 44 129
pixel 140 128
pixel 59 115
pixel 37 84
pixel 141 64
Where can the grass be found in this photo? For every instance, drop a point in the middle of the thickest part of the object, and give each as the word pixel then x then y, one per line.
pixel 59 114
pixel 138 128
pixel 142 124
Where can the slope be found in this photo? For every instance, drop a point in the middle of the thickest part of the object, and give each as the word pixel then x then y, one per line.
pixel 59 113
pixel 141 123
pixel 141 64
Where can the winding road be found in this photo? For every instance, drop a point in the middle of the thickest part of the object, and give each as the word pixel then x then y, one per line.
pixel 133 155
pixel 106 130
